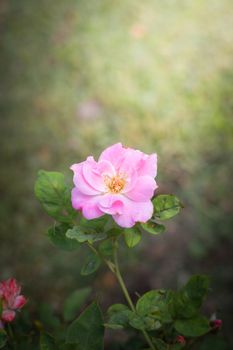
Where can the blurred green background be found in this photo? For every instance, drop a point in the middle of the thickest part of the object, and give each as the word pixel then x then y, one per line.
pixel 77 76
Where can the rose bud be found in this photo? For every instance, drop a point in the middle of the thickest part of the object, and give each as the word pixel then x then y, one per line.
pixel 11 299
pixel 180 339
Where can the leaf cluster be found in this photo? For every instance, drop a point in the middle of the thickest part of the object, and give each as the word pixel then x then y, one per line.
pixel 166 313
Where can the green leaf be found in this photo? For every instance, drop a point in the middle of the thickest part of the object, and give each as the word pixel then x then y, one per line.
pixel 166 206
pixel 197 288
pixel 91 264
pixel 194 327
pixel 151 323
pixel 148 302
pixel 153 227
pixel 155 304
pixel 54 195
pixel 106 248
pixel 132 236
pixel 82 234
pixel 87 331
pixel 187 301
pixel 3 338
pixel 136 321
pixel 57 235
pixel 47 342
pixel 115 308
pixel 118 316
pixel 74 302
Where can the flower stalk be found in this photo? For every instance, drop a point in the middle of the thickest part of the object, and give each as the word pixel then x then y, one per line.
pixel 126 293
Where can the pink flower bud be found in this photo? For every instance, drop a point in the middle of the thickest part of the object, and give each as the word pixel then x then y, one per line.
pixel 216 324
pixel 180 339
pixel 11 300
pixel 8 315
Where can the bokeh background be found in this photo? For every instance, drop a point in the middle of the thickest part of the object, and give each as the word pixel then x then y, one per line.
pixel 77 76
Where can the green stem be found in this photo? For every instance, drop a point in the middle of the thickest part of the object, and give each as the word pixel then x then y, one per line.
pixel 11 335
pixel 121 282
pixel 109 263
pixel 127 296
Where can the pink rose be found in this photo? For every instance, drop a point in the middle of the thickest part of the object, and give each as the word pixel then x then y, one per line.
pixel 121 183
pixel 11 299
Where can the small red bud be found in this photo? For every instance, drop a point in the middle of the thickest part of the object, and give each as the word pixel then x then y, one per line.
pixel 216 324
pixel 180 339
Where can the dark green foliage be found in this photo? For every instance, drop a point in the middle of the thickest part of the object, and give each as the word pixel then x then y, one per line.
pixel 160 344
pixel 47 317
pixel 54 195
pixel 118 316
pixel 87 331
pixel 155 304
pixel 3 338
pixel 47 342
pixel 214 342
pixel 58 236
pixel 169 312
pixel 91 264
pixel 193 327
pixel 187 301
pixel 106 248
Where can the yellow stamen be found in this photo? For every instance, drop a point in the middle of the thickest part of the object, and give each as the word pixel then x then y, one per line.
pixel 115 184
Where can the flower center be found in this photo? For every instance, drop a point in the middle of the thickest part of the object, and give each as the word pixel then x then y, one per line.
pixel 115 184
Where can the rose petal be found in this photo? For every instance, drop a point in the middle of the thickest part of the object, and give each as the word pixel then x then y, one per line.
pixel 143 163
pixel 124 220
pixel 113 154
pixel 134 212
pixel 111 204
pixel 148 165
pixel 94 174
pixel 80 182
pixel 13 286
pixel 88 204
pixel 143 189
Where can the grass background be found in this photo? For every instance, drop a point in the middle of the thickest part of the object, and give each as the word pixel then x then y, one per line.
pixel 77 76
